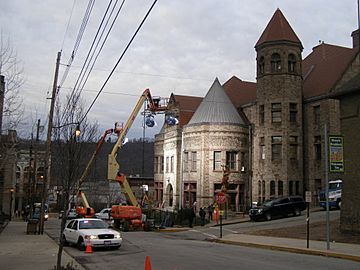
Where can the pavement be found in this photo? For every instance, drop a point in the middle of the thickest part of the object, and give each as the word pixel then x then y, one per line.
pixel 19 250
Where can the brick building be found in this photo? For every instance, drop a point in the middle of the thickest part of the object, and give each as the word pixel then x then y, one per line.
pixel 276 145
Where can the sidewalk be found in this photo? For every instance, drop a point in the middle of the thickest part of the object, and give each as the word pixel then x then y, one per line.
pixel 319 248
pixel 19 250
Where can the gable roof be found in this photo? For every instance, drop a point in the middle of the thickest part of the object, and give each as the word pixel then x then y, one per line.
pixel 324 67
pixel 240 92
pixel 187 106
pixel 216 107
pixel 278 29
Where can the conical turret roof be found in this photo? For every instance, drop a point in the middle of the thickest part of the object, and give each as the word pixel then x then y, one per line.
pixel 216 107
pixel 278 29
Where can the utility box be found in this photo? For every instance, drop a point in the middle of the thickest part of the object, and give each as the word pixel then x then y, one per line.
pixel 32 226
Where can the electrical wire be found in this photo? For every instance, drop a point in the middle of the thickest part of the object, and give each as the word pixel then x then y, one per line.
pixel 75 95
pixel 86 59
pixel 80 88
pixel 67 27
pixel 78 39
pixel 119 60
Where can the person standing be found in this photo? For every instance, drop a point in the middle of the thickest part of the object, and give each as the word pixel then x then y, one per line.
pixel 210 211
pixel 202 215
pixel 191 216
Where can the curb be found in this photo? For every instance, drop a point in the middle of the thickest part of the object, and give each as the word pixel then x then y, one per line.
pixel 292 250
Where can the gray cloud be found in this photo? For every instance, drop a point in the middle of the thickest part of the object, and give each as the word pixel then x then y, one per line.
pixel 181 48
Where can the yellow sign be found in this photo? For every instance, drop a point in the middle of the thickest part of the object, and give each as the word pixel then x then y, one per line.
pixel 221 212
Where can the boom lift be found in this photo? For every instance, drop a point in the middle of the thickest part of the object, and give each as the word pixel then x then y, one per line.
pixel 130 215
pixel 86 210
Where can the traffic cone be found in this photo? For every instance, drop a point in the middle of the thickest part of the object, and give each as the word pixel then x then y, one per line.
pixel 147 263
pixel 88 248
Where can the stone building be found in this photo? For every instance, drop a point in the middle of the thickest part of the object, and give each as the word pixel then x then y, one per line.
pixel 276 145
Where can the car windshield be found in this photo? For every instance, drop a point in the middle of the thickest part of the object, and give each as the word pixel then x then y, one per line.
pixel 268 203
pixel 92 224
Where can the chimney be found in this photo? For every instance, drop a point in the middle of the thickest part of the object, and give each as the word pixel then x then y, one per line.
pixel 356 40
pixel 2 97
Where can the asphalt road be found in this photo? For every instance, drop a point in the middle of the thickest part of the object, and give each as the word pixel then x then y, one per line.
pixel 188 250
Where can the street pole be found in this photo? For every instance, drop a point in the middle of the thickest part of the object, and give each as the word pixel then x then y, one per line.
pixel 48 147
pixel 327 188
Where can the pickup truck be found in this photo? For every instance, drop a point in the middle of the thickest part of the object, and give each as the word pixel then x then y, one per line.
pixel 335 190
pixel 104 214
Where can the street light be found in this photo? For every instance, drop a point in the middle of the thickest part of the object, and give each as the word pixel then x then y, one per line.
pixel 11 200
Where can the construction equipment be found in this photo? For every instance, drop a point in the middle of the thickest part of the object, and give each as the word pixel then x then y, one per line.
pixel 85 210
pixel 130 216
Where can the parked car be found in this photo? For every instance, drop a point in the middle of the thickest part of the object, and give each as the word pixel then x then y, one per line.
pixel 279 207
pixel 104 214
pixel 94 231
pixel 72 214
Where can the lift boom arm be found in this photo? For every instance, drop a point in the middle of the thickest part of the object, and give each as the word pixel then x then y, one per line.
pixel 113 166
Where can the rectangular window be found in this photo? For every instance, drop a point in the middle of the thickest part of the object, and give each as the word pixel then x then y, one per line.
pixel 186 161
pixel 193 161
pixel 262 114
pixel 262 148
pixel 242 161
pixel 231 160
pixel 276 143
pixel 156 165
pixel 316 115
pixel 167 164
pixel 293 112
pixel 161 164
pixel 217 160
pixel 276 112
pixel 172 164
pixel 317 147
pixel 293 148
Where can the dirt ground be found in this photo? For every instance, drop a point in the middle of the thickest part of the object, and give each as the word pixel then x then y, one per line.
pixel 317 232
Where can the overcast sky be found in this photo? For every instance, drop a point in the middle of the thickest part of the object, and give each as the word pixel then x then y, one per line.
pixel 182 47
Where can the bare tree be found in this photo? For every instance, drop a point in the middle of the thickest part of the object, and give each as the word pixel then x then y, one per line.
pixel 69 155
pixel 11 69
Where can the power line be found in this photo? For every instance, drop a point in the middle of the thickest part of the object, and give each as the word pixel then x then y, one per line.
pixel 119 60
pixel 78 39
pixel 86 59
pixel 67 27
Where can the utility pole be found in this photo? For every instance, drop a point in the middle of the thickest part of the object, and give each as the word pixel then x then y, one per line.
pixel 48 147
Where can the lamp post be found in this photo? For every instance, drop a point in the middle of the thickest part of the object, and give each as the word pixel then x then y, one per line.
pixel 11 201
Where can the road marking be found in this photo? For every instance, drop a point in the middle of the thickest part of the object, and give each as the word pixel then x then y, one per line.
pixel 204 233
pixel 217 228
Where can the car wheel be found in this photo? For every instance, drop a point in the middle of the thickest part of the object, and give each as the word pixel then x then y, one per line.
pixel 338 205
pixel 116 247
pixel 297 212
pixel 81 244
pixel 268 216
pixel 65 242
pixel 126 226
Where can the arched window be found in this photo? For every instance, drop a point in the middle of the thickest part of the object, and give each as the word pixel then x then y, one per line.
pixel 275 62
pixel 272 188
pixel 291 63
pixel 280 188
pixel 262 65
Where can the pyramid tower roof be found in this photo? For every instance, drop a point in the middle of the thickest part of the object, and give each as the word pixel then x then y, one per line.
pixel 216 107
pixel 278 29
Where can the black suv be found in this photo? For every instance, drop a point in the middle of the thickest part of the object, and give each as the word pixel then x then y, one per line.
pixel 279 207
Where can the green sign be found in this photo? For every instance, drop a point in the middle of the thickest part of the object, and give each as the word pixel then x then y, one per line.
pixel 336 154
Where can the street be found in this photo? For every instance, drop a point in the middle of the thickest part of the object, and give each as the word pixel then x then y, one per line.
pixel 188 250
